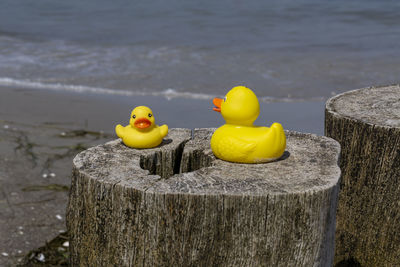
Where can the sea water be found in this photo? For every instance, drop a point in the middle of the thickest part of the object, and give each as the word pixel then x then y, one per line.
pixel 283 50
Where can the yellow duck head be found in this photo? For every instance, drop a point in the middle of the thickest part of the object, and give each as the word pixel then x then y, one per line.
pixel 142 118
pixel 239 107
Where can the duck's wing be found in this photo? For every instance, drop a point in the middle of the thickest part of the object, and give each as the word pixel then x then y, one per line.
pixel 235 148
pixel 276 139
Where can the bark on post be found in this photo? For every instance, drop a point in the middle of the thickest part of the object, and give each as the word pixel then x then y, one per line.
pixel 366 122
pixel 210 212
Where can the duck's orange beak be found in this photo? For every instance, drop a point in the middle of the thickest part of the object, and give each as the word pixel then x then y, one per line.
pixel 142 123
pixel 217 102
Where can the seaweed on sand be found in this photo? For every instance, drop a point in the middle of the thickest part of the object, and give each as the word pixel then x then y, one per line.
pixel 54 253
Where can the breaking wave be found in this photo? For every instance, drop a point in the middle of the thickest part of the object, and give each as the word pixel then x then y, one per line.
pixel 167 93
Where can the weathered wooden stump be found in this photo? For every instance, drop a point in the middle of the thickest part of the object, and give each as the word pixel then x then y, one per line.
pixel 366 123
pixel 202 211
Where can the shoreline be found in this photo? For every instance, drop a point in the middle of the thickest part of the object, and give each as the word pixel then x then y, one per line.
pixel 104 111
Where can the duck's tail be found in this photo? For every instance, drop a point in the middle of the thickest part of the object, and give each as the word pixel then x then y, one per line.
pixel 164 130
pixel 278 140
pixel 119 130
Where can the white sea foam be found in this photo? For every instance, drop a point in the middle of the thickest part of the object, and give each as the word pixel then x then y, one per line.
pixel 167 93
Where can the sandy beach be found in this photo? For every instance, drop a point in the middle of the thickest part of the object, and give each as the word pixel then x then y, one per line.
pixel 41 131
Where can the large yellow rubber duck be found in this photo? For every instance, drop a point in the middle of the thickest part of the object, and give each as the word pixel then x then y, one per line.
pixel 239 140
pixel 142 132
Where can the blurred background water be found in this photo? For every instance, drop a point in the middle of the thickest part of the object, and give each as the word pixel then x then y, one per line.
pixel 283 50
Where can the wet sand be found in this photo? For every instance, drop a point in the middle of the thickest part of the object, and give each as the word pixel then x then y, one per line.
pixel 41 131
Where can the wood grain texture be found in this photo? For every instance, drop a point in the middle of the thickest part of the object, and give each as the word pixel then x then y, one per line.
pixel 366 123
pixel 207 212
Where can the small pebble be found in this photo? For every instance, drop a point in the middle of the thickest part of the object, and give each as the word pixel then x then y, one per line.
pixel 20 232
pixel 14 193
pixel 19 251
pixel 40 257
pixel 44 175
pixel 61 231
pixel 32 208
pixel 52 174
pixel 6 126
pixel 66 244
pixel 20 227
pixel 5 254
pixel 61 249
pixel 63 134
pixel 59 217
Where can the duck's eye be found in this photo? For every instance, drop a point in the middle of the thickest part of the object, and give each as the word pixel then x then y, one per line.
pixel 150 115
pixel 224 98
pixel 134 116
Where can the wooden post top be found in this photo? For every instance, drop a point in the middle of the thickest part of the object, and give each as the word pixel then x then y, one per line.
pixel 374 105
pixel 187 165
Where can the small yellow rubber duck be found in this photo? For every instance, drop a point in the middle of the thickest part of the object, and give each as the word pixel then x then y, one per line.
pixel 239 140
pixel 142 132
